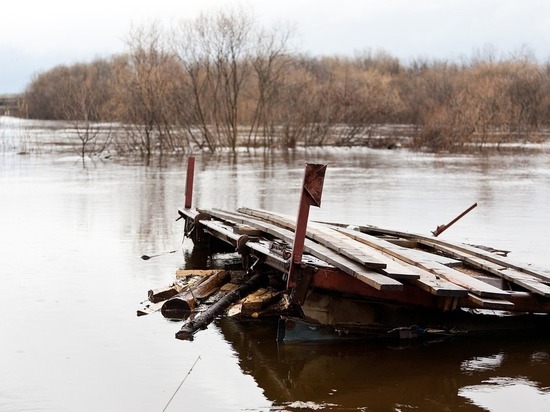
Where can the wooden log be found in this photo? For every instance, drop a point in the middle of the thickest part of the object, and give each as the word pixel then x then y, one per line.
pixel 180 305
pixel 256 301
pixel 211 284
pixel 203 319
pixel 185 273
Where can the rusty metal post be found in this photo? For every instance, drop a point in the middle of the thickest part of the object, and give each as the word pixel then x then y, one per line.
pixel 189 182
pixel 441 228
pixel 312 190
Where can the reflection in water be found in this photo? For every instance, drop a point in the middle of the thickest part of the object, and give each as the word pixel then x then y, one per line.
pixel 483 363
pixel 71 277
pixel 458 375
pixel 508 394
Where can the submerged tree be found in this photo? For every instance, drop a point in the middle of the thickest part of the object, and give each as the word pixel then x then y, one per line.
pixel 146 84
pixel 232 68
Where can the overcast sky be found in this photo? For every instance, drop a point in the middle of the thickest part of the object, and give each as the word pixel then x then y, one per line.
pixel 36 35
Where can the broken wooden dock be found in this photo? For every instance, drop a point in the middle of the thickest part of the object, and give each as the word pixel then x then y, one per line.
pixel 354 279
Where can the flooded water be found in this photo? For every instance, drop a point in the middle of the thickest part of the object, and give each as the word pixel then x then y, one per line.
pixel 71 280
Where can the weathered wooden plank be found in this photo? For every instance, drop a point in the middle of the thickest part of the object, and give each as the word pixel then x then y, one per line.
pixel 226 233
pixel 473 285
pixel 436 285
pixel 184 273
pixel 522 279
pixel 426 280
pixel 542 274
pixel 462 281
pixel 368 276
pixel 494 304
pixel 256 301
pixel 444 260
pixel 328 238
pixel 211 284
pixel 529 282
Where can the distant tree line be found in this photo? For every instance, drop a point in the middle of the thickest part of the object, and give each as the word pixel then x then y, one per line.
pixel 221 81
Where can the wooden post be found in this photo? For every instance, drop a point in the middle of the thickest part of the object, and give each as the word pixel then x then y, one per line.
pixel 189 182
pixel 312 190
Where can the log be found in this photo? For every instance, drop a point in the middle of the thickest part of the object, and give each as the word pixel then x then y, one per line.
pixel 185 273
pixel 203 319
pixel 211 284
pixel 179 306
pixel 256 301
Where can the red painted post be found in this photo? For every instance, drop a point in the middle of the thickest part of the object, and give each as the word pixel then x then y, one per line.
pixel 189 182
pixel 312 190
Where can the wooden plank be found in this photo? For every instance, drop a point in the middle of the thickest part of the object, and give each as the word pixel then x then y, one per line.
pixel 226 233
pixel 184 273
pixel 444 260
pixel 436 285
pixel 256 301
pixel 423 279
pixel 522 279
pixel 407 255
pixel 494 304
pixel 368 276
pixel 529 282
pixel 541 274
pixel 342 244
pixel 327 238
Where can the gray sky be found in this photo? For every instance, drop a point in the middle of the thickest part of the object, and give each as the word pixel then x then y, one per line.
pixel 36 35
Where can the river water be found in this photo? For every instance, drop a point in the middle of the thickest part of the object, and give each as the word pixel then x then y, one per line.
pixel 72 278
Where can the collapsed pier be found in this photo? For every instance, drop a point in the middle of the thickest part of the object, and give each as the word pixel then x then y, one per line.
pixel 332 280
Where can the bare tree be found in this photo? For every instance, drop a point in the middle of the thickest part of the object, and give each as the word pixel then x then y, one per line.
pixel 215 51
pixel 146 85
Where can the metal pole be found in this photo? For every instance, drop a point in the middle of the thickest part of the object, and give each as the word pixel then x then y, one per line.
pixel 440 229
pixel 312 190
pixel 189 182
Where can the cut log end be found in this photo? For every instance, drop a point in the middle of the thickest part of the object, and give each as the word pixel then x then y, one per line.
pixel 177 308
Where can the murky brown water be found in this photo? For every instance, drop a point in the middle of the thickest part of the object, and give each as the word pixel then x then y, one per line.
pixel 71 280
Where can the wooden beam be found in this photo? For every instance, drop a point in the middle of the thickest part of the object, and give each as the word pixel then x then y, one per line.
pixel 475 286
pixel 368 276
